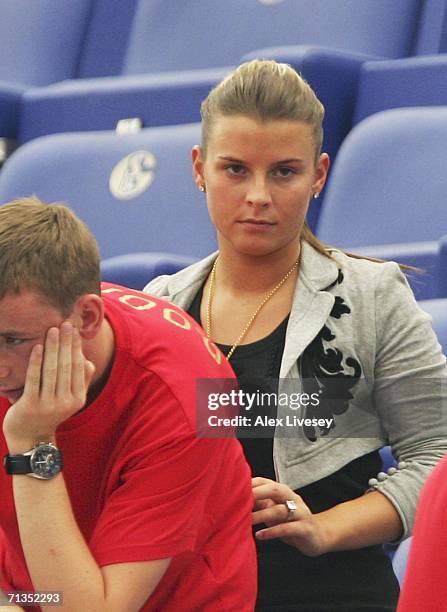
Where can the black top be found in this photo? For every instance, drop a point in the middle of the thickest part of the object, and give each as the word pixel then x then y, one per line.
pixel 348 581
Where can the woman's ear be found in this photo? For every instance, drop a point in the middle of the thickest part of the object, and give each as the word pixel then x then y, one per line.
pixel 321 172
pixel 198 167
pixel 88 315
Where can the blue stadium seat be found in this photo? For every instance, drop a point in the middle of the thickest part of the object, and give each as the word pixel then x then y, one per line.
pixel 432 30
pixel 40 43
pixel 135 270
pixel 375 27
pixel 425 281
pixel 170 37
pixel 135 192
pixel 10 108
pixel 388 460
pixel 438 310
pixel 389 181
pixel 106 38
pixel 415 81
pixel 400 559
pixel 98 104
pixel 388 186
pixel 443 267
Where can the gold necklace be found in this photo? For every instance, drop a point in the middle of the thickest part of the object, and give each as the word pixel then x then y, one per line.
pixel 253 316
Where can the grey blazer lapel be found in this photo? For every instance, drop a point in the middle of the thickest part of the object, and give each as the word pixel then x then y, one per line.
pixel 311 304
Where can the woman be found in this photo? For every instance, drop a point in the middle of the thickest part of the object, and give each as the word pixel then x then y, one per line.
pixel 284 307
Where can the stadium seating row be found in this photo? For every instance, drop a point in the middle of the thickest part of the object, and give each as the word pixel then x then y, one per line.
pixel 48 41
pixel 386 196
pixel 109 60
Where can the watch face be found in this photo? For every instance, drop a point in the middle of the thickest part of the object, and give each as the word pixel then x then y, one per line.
pixel 46 461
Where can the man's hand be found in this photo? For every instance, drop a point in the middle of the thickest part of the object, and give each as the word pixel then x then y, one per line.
pixel 305 531
pixel 56 385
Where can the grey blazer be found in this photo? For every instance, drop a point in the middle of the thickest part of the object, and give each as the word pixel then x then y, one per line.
pixel 356 321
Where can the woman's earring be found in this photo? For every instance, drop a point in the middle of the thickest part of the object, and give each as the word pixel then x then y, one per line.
pixel 202 188
pixel 316 195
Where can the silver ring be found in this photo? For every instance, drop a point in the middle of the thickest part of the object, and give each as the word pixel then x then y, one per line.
pixel 291 507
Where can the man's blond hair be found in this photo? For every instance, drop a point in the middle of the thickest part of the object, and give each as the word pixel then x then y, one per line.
pixel 46 248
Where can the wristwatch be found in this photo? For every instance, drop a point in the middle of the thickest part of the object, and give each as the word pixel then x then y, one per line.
pixel 43 461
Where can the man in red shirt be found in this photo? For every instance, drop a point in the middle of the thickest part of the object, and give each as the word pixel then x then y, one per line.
pixel 425 584
pixel 128 509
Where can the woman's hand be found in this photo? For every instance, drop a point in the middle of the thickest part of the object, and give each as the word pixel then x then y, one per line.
pixel 56 385
pixel 304 530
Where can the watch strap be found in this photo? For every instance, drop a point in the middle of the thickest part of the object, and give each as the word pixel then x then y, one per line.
pixel 17 464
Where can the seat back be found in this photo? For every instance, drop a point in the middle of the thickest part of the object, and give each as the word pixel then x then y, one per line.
pixel 432 31
pixel 388 183
pixel 400 559
pixel 415 81
pixel 106 38
pixel 135 270
pixel 388 459
pixel 438 311
pixel 40 41
pixel 135 192
pixel 172 35
pixel 442 284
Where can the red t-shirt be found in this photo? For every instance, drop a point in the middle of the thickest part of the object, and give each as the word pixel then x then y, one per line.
pixel 142 485
pixel 425 582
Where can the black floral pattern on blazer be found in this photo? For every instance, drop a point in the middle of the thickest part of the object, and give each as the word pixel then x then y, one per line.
pixel 325 371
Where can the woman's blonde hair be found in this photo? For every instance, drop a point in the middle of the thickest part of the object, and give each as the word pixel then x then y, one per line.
pixel 266 90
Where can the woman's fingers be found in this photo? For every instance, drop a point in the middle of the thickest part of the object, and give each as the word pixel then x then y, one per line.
pixel 262 504
pixel 281 530
pixel 257 481
pixel 275 491
pixel 271 508
pixel 276 513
